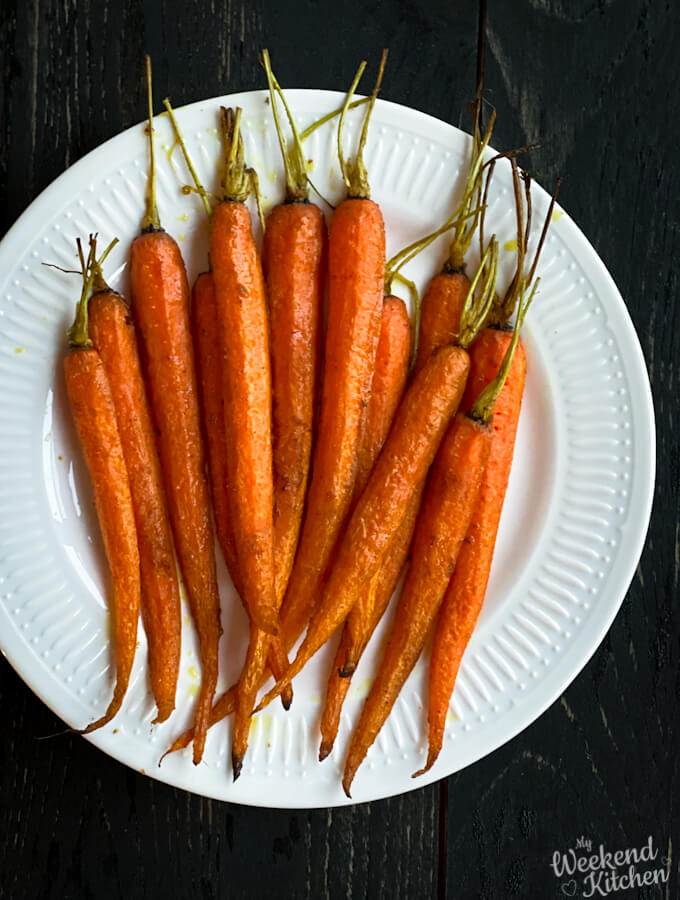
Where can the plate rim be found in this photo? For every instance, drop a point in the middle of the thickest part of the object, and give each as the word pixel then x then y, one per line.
pixel 643 494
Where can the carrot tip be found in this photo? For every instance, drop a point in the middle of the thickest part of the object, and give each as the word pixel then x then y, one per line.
pixel 346 786
pixel 286 700
pixel 431 760
pixel 236 764
pixel 325 750
pixel 347 670
pixel 164 714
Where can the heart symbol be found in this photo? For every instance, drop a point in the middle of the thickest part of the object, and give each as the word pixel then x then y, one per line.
pixel 569 888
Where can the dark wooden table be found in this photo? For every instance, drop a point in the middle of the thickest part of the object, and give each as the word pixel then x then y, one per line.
pixel 596 82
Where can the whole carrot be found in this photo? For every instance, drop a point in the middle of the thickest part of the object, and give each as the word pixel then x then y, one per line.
pixel 208 348
pixel 356 272
pixel 94 415
pixel 242 320
pixel 113 336
pixel 467 588
pixel 442 526
pixel 243 324
pixel 465 593
pixel 160 305
pixel 293 259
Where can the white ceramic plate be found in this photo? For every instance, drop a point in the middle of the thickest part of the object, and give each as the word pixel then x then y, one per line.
pixel 574 521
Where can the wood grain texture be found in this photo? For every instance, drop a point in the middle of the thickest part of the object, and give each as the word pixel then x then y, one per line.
pixel 594 81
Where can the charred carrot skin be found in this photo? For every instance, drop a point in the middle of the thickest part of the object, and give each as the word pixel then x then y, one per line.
pixel 293 260
pixel 465 594
pixel 94 416
pixel 208 347
pixel 242 315
pixel 442 525
pixel 160 304
pixel 440 313
pixel 356 272
pixel 420 423
pixel 113 336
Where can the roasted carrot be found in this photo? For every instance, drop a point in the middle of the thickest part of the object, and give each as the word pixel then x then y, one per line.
pixel 113 336
pixel 419 425
pixel 387 385
pixel 243 324
pixel 354 641
pixel 209 352
pixel 387 388
pixel 94 415
pixel 467 588
pixel 293 259
pixel 443 300
pixel 443 524
pixel 356 272
pixel 440 530
pixel 465 593
pixel 160 305
pixel 242 320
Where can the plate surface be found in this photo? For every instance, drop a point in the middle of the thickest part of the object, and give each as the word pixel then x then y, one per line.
pixel 572 530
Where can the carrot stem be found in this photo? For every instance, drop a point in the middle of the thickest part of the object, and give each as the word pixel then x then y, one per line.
pixel 237 179
pixel 151 220
pixel 482 409
pixel 294 162
pixel 477 305
pixel 310 129
pixel 354 172
pixel 200 190
pixel 78 334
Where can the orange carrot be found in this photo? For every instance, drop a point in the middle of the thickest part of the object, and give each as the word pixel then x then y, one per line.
pixel 94 416
pixel 387 385
pixel 465 594
pixel 160 304
pixel 441 307
pixel 442 303
pixel 440 530
pixel 242 320
pixel 410 448
pixel 354 642
pixel 467 587
pixel 387 388
pixel 293 259
pixel 418 427
pixel 356 272
pixel 113 336
pixel 209 352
